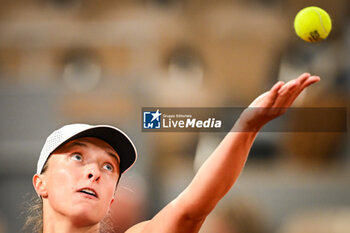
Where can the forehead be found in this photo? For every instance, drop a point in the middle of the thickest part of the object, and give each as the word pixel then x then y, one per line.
pixel 90 142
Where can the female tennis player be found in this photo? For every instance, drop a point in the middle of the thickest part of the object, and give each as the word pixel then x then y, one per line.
pixel 80 165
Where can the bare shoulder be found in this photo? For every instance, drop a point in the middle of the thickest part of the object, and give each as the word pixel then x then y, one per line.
pixel 137 228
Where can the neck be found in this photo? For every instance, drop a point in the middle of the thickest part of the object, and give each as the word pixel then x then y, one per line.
pixel 54 222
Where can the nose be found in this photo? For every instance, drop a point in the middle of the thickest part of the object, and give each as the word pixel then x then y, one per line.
pixel 93 173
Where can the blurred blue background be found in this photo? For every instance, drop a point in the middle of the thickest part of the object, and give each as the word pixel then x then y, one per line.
pixel 100 62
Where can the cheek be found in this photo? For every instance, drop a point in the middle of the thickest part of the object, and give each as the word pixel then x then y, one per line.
pixel 61 184
pixel 109 189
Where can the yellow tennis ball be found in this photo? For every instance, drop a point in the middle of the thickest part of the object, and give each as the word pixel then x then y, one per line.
pixel 312 24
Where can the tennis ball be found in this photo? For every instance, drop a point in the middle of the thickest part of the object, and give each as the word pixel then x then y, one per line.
pixel 312 24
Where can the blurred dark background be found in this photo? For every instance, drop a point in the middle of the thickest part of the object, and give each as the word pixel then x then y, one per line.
pixel 99 62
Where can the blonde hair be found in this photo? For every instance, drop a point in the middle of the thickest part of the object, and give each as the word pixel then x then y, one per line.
pixel 34 212
pixel 34 215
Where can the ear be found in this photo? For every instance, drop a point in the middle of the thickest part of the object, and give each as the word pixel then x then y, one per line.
pixel 39 185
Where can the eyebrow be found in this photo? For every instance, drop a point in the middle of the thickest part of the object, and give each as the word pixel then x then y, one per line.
pixel 84 145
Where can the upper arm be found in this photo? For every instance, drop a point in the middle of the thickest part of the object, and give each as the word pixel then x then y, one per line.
pixel 137 228
pixel 173 218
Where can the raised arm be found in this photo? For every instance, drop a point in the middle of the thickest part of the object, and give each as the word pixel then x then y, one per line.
pixel 220 171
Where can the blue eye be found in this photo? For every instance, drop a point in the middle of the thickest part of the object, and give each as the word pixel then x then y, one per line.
pixel 77 157
pixel 108 167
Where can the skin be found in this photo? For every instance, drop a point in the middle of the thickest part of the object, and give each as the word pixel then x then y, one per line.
pixel 187 212
pixel 81 163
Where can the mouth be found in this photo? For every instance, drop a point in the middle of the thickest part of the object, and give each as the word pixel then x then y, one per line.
pixel 89 192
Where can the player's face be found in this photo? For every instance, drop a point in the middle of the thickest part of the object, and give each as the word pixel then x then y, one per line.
pixel 81 180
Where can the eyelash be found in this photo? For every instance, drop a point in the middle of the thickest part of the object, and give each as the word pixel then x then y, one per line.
pixel 112 168
pixel 73 156
pixel 81 158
